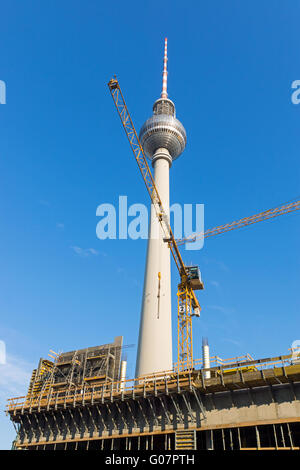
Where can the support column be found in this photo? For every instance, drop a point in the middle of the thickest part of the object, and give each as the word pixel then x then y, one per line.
pixel 209 440
pixel 155 336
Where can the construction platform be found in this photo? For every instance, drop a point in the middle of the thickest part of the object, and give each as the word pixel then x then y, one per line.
pixel 245 404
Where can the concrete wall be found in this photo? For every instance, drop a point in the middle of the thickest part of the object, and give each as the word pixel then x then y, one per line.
pixel 263 404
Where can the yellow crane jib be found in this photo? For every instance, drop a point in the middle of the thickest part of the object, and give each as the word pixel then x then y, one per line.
pixel 285 208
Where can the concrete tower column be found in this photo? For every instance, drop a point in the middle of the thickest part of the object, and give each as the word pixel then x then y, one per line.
pixel 155 337
pixel 163 138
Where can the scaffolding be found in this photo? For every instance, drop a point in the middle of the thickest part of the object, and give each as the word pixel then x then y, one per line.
pixel 174 409
pixel 82 368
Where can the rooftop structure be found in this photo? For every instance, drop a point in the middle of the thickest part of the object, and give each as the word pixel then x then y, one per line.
pixel 245 403
pixel 93 366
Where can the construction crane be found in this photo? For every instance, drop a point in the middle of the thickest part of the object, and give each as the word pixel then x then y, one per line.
pixel 253 219
pixel 188 305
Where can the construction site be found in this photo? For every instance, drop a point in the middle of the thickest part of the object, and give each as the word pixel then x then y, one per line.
pixel 83 400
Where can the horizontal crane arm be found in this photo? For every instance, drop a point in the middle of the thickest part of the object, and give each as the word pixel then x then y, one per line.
pixel 268 214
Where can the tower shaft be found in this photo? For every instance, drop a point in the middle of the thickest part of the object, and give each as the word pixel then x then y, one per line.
pixel 163 138
pixel 155 336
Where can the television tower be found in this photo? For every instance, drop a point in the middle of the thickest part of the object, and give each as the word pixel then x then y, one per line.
pixel 163 138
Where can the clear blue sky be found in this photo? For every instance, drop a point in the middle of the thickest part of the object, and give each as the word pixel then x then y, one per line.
pixel 63 152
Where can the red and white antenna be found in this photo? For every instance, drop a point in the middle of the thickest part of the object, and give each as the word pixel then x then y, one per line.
pixel 164 93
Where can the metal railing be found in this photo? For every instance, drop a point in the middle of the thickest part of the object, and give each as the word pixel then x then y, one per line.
pixel 157 383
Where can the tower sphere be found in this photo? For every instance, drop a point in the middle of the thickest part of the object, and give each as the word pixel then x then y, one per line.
pixel 163 130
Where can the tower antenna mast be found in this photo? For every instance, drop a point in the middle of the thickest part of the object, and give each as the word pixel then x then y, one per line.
pixel 164 93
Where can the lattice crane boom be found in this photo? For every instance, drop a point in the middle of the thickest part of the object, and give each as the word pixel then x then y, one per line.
pixel 253 219
pixel 141 160
pixel 187 300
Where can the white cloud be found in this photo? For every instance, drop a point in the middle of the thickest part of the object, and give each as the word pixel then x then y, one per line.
pixel 92 251
pixel 215 283
pixel 14 378
pixel 84 252
pixel 60 225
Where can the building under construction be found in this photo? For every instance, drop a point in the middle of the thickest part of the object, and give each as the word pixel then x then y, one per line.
pixel 83 400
